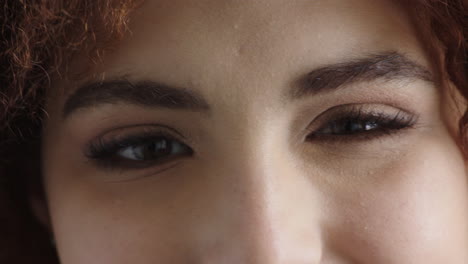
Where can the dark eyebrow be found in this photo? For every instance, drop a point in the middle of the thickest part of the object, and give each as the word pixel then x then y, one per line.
pixel 384 66
pixel 145 93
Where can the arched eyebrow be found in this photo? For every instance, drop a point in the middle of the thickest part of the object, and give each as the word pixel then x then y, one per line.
pixel 144 93
pixel 383 66
pixel 388 66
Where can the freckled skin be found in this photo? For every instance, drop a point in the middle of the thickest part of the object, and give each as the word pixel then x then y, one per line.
pixel 255 191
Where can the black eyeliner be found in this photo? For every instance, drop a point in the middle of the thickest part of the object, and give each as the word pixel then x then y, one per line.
pixel 388 124
pixel 103 152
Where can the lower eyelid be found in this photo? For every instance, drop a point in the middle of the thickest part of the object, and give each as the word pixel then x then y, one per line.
pixel 361 136
pixel 135 175
pixel 115 164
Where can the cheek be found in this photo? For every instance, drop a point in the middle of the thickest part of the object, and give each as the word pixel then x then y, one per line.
pixel 416 212
pixel 97 224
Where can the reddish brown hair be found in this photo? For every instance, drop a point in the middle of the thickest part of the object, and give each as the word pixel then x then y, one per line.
pixel 38 38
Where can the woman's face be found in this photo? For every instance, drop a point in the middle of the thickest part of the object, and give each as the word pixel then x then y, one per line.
pixel 266 131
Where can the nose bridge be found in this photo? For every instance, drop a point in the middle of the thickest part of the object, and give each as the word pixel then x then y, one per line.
pixel 277 217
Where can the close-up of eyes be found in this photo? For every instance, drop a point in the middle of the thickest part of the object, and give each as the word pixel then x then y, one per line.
pixel 155 147
pixel 256 132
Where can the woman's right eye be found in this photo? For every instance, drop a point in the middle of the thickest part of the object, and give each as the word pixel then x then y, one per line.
pixel 139 151
pixel 153 149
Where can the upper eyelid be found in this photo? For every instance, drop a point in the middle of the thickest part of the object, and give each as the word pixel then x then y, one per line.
pixel 149 126
pixel 351 107
pixel 143 125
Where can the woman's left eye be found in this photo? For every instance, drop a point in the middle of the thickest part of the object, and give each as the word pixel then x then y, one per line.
pixel 354 122
pixel 353 126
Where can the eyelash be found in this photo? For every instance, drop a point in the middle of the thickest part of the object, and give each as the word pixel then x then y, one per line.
pixel 387 124
pixel 105 152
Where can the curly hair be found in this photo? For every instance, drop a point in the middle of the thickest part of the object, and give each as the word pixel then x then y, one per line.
pixel 39 38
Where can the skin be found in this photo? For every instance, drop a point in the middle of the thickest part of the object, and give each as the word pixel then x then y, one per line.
pixel 255 191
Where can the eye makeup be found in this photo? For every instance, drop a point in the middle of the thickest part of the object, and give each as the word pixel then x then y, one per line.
pixel 359 122
pixel 145 147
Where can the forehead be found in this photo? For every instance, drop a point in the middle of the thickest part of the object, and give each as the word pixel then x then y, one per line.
pixel 254 43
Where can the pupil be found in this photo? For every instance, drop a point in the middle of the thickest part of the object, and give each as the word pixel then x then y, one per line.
pixel 351 127
pixel 354 126
pixel 153 150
